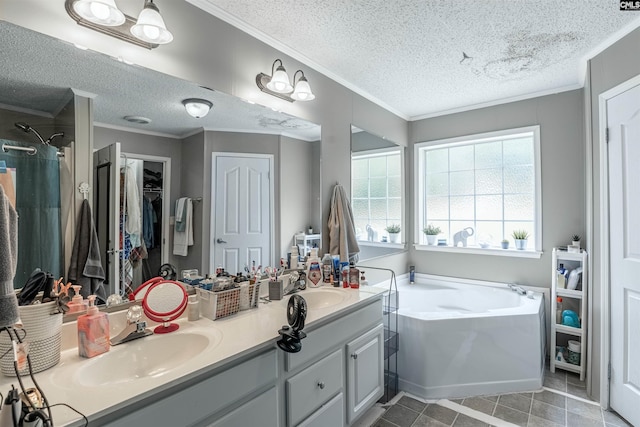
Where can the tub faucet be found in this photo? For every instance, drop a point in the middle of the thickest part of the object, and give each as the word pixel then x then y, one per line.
pixel 514 287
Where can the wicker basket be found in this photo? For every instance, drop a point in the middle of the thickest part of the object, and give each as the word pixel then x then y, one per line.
pixel 215 305
pixel 43 333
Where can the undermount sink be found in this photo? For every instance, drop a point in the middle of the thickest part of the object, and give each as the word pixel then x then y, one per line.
pixel 142 358
pixel 317 298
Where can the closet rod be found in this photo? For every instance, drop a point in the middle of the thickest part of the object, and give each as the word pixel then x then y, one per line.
pixel 28 150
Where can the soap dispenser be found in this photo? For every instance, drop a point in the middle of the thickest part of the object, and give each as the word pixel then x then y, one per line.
pixel 93 331
pixel 76 305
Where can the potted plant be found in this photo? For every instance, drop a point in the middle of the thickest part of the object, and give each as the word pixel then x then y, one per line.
pixel 520 237
pixel 431 232
pixel 394 233
pixel 505 244
pixel 575 240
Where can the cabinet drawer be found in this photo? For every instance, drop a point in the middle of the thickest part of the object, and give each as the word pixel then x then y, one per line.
pixel 331 414
pixel 319 340
pixel 262 410
pixel 311 388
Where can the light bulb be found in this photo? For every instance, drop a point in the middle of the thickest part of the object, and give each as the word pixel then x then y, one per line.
pixel 99 10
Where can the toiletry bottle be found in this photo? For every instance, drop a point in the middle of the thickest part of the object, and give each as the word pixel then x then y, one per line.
pixel 412 274
pixel 559 310
pixel 354 277
pixel 345 274
pixel 363 280
pixel 76 305
pixel 294 258
pixel 562 282
pixel 193 308
pixel 314 269
pixel 93 331
pixel 327 268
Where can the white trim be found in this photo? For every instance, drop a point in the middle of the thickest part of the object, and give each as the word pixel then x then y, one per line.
pixel 166 196
pixel 135 130
pixel 379 152
pixel 267 39
pixel 605 321
pixel 495 102
pixel 480 251
pixel 212 224
pixel 26 111
pixel 382 245
pixel 472 140
pixel 288 134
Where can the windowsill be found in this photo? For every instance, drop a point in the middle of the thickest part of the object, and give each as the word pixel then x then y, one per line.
pixel 481 251
pixel 381 244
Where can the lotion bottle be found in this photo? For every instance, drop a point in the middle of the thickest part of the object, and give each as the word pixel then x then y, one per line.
pixel 314 269
pixel 76 305
pixel 93 331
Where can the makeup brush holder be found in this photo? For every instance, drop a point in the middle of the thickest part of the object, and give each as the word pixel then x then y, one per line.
pixel 42 329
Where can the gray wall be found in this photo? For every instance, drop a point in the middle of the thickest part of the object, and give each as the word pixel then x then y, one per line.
pixel 613 66
pixel 563 183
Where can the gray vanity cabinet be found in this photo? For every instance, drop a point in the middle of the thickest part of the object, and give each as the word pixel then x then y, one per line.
pixel 365 379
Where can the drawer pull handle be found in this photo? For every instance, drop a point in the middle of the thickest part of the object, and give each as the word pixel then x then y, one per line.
pixel 354 356
pixel 321 385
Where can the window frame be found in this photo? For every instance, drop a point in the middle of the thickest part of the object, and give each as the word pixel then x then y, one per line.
pixel 419 190
pixel 378 152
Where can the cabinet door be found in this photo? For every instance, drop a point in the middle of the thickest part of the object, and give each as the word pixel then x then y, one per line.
pixel 330 414
pixel 260 411
pixel 365 381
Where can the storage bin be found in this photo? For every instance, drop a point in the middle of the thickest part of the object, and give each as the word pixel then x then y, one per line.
pixel 216 305
pixel 42 329
pixel 573 352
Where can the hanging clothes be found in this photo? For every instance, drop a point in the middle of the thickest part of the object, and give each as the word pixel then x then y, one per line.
pixel 342 231
pixel 8 260
pixel 147 223
pixel 133 210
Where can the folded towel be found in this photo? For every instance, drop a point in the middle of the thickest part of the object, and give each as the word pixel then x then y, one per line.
pixel 183 239
pixel 181 213
pixel 8 261
pixel 85 268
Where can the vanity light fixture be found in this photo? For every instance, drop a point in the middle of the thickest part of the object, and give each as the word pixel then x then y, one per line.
pixel 148 30
pixel 196 107
pixel 278 84
pixel 150 26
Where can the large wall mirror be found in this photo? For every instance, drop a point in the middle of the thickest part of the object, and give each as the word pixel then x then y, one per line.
pixel 377 194
pixel 170 155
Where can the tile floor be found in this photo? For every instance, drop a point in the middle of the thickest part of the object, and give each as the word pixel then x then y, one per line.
pixel 562 402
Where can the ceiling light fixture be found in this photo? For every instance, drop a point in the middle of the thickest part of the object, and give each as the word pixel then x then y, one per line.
pixel 141 120
pixel 148 30
pixel 278 84
pixel 196 107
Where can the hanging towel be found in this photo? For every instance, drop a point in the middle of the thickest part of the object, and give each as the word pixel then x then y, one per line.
pixel 85 268
pixel 8 261
pixel 342 232
pixel 183 239
pixel 181 213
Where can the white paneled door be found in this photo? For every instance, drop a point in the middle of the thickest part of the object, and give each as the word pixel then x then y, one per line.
pixel 242 212
pixel 623 122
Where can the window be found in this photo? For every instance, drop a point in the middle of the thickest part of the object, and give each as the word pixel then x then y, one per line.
pixel 489 182
pixel 376 192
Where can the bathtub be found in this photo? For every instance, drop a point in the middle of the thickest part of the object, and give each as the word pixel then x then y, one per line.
pixel 462 338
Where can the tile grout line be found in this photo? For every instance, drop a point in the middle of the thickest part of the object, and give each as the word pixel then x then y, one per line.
pixel 565 394
pixel 470 412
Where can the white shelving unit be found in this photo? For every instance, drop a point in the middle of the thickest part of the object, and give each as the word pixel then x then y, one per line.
pixel 306 241
pixel 574 299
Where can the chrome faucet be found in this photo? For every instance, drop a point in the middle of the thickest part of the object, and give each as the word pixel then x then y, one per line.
pixel 517 288
pixel 135 328
pixel 297 281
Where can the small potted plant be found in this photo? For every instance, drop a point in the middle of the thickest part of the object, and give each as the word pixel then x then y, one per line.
pixel 431 231
pixel 505 244
pixel 520 237
pixel 575 240
pixel 394 233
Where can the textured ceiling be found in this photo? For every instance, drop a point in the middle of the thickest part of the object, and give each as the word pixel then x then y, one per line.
pixel 38 71
pixel 406 55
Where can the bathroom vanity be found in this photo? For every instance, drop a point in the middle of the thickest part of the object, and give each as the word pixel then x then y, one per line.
pixel 230 372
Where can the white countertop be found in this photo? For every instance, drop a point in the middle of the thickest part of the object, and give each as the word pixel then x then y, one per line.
pixel 229 338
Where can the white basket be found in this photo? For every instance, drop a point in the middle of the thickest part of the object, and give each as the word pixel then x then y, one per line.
pixel 44 335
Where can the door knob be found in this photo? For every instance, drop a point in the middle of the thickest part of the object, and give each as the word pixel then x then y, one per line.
pixel 354 356
pixel 219 240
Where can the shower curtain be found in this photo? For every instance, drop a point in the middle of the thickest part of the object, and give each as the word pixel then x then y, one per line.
pixel 38 204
